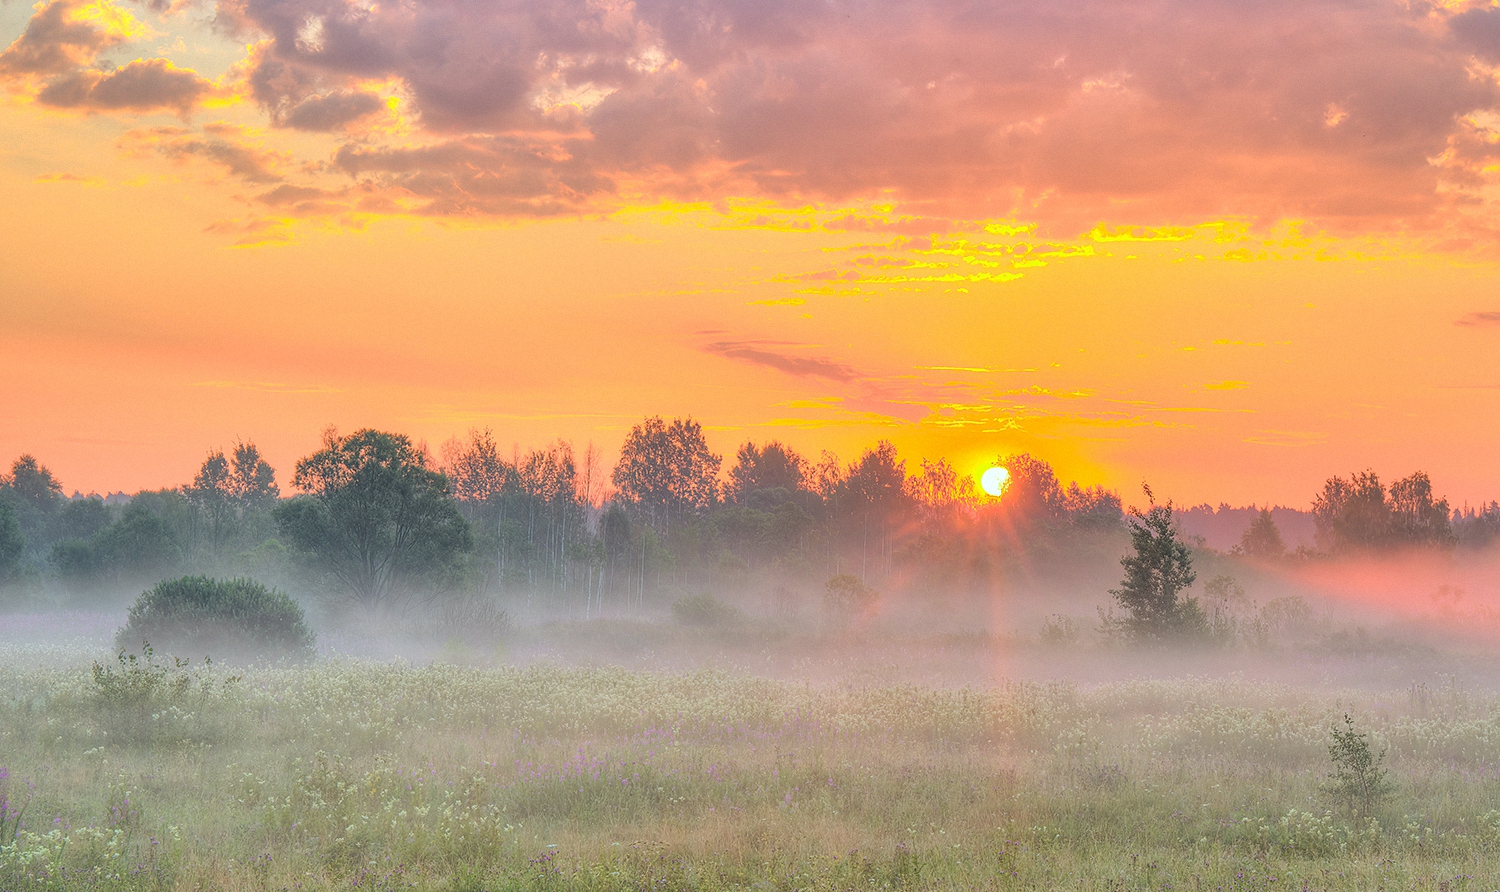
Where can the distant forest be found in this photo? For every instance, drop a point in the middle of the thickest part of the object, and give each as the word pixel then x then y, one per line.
pixel 377 523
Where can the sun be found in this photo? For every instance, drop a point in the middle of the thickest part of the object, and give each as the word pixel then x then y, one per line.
pixel 993 481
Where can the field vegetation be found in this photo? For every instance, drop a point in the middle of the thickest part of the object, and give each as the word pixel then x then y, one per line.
pixel 481 672
pixel 144 773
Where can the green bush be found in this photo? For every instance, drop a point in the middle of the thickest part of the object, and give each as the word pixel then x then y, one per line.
pixel 147 701
pixel 845 594
pixel 704 611
pixel 236 619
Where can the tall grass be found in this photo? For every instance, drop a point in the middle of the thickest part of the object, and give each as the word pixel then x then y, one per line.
pixel 351 774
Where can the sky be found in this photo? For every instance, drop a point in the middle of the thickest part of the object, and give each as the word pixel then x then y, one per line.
pixel 1228 249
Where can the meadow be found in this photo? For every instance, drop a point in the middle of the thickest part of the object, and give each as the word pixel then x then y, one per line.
pixel 351 773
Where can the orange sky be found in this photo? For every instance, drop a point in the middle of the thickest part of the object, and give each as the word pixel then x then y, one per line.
pixel 1228 255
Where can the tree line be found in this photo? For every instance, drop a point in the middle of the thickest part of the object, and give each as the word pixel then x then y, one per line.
pixel 378 522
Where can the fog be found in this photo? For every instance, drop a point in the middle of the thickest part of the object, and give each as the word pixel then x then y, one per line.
pixel 480 672
pixel 1370 621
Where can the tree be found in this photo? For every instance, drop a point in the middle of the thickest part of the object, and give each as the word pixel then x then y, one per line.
pixel 1355 515
pixel 1416 517
pixel 940 492
pixel 1034 495
pixel 1092 507
pixel 666 470
pixel 1032 492
pixel 136 548
pixel 826 476
pixel 547 506
pixel 876 482
pixel 226 489
pixel 1262 540
pixel 1477 528
pixel 528 514
pixel 873 491
pixel 12 543
pixel 1352 515
pixel 80 519
pixel 374 518
pixel 773 466
pixel 34 485
pixel 34 495
pixel 1160 569
pixel 848 595
pixel 475 469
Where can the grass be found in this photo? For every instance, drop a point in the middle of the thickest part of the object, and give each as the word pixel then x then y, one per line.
pixel 348 774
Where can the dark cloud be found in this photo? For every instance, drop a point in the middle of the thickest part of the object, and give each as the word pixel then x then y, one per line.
pixel 1479 31
pixel 331 112
pixel 141 85
pixel 755 353
pixel 1482 318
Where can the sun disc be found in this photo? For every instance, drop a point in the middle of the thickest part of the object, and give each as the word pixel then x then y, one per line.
pixel 993 481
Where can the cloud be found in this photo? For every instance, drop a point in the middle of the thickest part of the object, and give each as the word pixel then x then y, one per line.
pixel 1479 31
pixel 1482 318
pixel 71 178
pixel 65 35
pixel 221 144
pixel 269 387
pixel 253 231
pixel 331 112
pixel 491 175
pixel 755 353
pixel 1356 114
pixel 56 62
pixel 142 85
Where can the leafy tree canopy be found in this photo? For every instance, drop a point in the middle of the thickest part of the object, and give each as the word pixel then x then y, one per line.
pixel 34 486
pixel 1358 514
pixel 375 519
pixel 759 468
pixel 876 483
pixel 226 488
pixel 12 543
pixel 667 470
pixel 135 548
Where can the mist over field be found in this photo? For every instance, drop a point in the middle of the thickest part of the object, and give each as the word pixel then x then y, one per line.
pixel 480 445
pixel 480 672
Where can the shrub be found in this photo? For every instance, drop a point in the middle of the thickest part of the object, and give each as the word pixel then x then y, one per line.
pixel 848 594
pixel 473 621
pixel 703 611
pixel 146 701
pixel 1358 781
pixel 1059 630
pixel 236 619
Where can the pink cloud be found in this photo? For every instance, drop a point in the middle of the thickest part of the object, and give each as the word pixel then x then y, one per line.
pixel 1353 112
